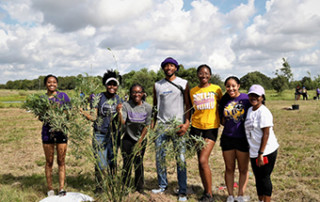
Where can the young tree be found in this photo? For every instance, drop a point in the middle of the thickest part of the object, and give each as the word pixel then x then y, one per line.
pixel 286 70
pixel 284 76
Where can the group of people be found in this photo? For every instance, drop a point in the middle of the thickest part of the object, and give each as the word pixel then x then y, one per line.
pixel 247 133
pixel 303 91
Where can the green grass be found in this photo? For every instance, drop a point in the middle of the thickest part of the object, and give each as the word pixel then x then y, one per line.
pixel 296 176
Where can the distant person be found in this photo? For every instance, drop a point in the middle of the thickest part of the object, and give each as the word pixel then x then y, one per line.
pixel 297 93
pixel 235 148
pixel 318 93
pixel 106 138
pixel 82 95
pixel 51 138
pixel 262 142
pixel 205 121
pixel 135 115
pixel 304 93
pixel 171 97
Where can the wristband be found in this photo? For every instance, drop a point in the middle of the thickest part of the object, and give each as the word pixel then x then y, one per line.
pixel 260 152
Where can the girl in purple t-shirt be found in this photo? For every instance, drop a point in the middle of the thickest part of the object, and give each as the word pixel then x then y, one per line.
pixel 51 138
pixel 233 109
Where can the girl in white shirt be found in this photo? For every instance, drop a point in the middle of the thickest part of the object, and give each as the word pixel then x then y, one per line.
pixel 262 141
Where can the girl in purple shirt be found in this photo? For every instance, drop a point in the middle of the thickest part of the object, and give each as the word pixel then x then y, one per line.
pixel 233 109
pixel 51 138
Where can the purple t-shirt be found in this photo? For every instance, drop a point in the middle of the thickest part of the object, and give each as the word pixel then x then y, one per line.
pixel 61 98
pixel 234 113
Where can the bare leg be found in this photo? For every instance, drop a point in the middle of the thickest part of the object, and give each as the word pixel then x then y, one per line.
pixel 229 157
pixel 266 198
pixel 204 169
pixel 243 165
pixel 61 151
pixel 49 154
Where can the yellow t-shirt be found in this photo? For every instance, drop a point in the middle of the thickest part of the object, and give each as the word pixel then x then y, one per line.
pixel 205 102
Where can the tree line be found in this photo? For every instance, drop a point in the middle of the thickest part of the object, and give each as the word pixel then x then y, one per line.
pixel 283 80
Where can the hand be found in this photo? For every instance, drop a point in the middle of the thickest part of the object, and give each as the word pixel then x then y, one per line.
pixel 138 148
pixel 183 129
pixel 119 108
pixel 260 161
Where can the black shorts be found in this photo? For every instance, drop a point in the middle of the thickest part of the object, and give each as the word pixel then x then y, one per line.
pixel 230 143
pixel 211 134
pixel 55 138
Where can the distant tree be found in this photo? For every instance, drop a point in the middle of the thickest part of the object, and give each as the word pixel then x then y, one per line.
pixel 160 75
pixel 26 84
pixel 280 83
pixel 127 79
pixel 255 78
pixel 317 81
pixel 9 85
pixel 308 83
pixel 294 84
pixel 189 74
pixel 143 77
pixel 216 79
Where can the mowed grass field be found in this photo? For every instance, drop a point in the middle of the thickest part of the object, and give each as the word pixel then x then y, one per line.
pixel 296 176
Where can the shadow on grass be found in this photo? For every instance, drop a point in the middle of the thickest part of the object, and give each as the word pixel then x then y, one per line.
pixel 37 182
pixel 193 191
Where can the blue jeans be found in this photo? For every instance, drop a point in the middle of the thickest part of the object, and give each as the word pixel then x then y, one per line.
pixel 103 151
pixel 160 162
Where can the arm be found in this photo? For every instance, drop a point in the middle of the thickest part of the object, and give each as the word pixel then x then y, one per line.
pixel 263 144
pixel 143 134
pixel 119 110
pixel 92 116
pixel 154 111
pixel 184 127
pixel 221 104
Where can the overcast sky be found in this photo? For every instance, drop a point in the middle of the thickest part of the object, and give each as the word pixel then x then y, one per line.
pixel 234 37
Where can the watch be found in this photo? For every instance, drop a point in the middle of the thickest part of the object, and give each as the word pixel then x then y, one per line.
pixel 260 152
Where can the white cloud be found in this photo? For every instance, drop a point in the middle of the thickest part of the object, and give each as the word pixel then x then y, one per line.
pixel 21 11
pixel 285 30
pixel 241 15
pixel 69 37
pixel 311 58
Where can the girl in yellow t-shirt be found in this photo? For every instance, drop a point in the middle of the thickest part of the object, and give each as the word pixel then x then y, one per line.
pixel 205 122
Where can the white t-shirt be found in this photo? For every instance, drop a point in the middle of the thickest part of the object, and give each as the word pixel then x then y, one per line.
pixel 255 121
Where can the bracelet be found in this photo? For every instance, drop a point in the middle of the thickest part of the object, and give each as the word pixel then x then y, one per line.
pixel 260 152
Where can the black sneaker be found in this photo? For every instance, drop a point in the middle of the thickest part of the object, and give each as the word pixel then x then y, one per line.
pixel 98 190
pixel 141 191
pixel 206 198
pixel 62 192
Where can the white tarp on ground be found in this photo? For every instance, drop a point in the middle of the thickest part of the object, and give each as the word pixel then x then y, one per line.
pixel 69 197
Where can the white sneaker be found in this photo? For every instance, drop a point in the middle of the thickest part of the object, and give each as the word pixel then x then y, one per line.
pixel 158 191
pixel 239 199
pixel 182 197
pixel 242 198
pixel 51 193
pixel 230 199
